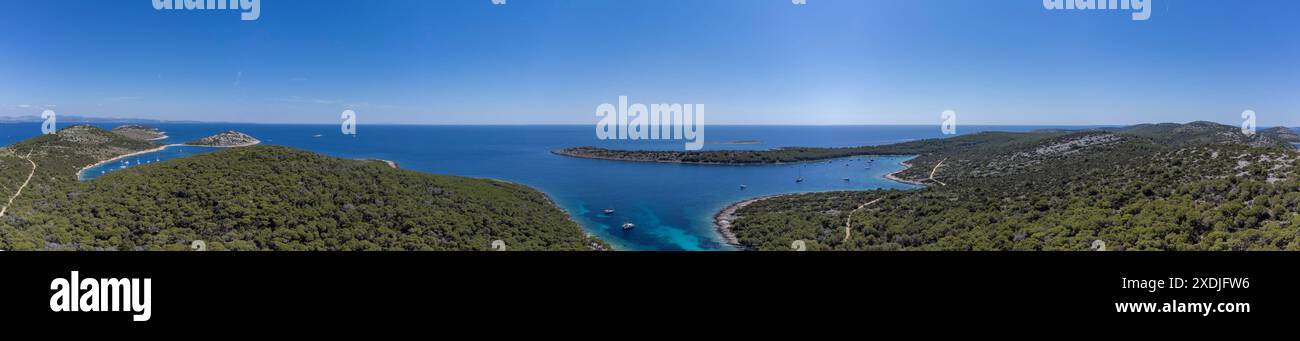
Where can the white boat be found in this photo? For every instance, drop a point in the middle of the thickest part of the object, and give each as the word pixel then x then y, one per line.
pixel 628 226
pixel 609 211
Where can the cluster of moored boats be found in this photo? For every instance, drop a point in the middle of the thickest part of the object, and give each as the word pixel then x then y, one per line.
pixel 127 163
pixel 629 225
pixel 626 225
pixel 846 164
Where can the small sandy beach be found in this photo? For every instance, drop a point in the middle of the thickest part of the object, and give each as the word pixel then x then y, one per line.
pixel 893 176
pixel 389 163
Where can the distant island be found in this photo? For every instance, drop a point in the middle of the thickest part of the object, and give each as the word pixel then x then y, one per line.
pixel 1194 186
pixel 258 198
pixel 736 142
pixel 226 139
pixel 140 132
pixel 75 119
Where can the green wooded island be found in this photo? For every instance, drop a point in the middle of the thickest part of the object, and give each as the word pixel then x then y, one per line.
pixel 140 132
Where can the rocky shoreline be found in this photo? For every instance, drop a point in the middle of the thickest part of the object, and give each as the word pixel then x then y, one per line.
pixel 723 219
pixel 894 176
pixel 596 243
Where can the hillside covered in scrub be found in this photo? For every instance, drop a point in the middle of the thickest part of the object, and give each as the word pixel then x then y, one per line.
pixel 1196 186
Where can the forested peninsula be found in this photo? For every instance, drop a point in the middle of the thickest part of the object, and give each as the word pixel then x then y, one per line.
pixel 257 198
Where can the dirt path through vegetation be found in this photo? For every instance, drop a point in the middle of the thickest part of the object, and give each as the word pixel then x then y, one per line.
pixel 20 188
pixel 936 170
pixel 848 223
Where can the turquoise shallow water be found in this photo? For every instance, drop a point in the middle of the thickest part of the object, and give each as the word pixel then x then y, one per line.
pixel 672 205
pixel 171 152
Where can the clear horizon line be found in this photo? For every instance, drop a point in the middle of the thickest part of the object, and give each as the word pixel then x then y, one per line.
pixel 185 121
pixel 713 124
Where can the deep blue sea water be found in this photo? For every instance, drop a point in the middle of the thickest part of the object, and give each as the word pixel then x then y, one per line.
pixel 672 205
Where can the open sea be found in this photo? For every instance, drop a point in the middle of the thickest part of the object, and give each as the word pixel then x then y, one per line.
pixel 672 205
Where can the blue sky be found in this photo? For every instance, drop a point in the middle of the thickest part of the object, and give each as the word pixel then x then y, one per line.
pixel 747 61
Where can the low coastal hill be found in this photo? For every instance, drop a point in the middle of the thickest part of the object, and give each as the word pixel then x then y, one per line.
pixel 1283 133
pixel 40 167
pixel 62 154
pixel 1202 132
